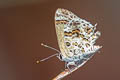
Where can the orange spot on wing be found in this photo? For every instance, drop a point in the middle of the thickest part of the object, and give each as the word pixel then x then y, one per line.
pixel 75 31
pixel 89 31
pixel 67 33
pixel 61 21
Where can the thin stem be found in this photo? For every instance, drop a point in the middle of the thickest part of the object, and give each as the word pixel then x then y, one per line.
pixel 67 72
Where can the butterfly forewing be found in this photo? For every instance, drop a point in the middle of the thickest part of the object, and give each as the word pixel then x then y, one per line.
pixel 62 20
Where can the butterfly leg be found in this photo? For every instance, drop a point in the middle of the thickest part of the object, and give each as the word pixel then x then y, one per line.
pixel 66 65
pixel 70 64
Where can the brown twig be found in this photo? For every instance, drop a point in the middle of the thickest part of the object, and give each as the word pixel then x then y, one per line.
pixel 67 72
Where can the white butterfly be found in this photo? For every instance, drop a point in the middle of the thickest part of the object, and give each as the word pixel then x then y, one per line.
pixel 76 38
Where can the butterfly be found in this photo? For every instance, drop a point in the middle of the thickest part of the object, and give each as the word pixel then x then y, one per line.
pixel 76 38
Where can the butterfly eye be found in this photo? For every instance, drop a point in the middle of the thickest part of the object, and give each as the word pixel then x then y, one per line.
pixel 67 44
pixel 60 57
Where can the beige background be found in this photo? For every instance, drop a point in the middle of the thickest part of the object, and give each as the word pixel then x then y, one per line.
pixel 25 24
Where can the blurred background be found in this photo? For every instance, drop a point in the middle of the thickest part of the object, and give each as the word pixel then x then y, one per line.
pixel 24 24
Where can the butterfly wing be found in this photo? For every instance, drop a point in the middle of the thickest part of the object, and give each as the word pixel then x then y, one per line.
pixel 75 35
pixel 60 33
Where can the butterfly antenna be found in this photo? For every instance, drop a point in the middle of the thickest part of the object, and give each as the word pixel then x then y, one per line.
pixel 49 47
pixel 38 61
pixel 49 57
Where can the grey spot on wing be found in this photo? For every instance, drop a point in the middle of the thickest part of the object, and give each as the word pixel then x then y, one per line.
pixel 80 61
pixel 88 55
